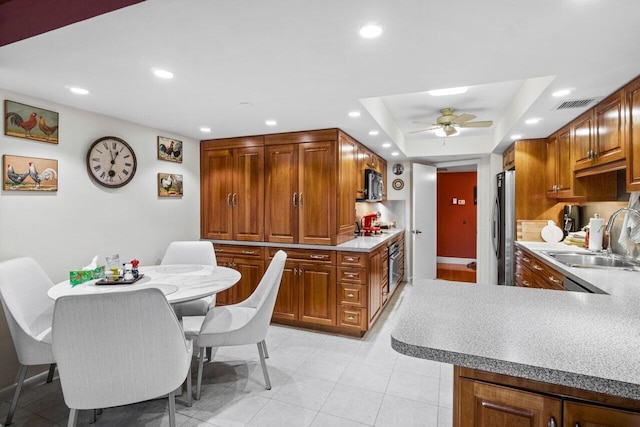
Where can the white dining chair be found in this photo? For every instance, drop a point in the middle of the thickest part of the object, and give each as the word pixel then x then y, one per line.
pixel 243 323
pixel 29 313
pixel 191 252
pixel 119 348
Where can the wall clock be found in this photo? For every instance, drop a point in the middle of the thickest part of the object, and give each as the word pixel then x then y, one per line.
pixel 398 184
pixel 111 162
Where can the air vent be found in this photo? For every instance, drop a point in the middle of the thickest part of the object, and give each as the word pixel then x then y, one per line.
pixel 575 103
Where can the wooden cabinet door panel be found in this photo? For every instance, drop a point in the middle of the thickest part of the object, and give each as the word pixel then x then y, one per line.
pixel 496 406
pixel 287 300
pixel 224 297
pixel 583 141
pixel 281 216
pixel 375 283
pixel 317 196
pixel 564 165
pixel 252 271
pixel 551 179
pixel 248 196
pixel 216 193
pixel 347 175
pixel 317 294
pixel 610 129
pixel 633 136
pixel 585 415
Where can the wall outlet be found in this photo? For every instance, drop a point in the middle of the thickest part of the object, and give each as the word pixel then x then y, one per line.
pixel 461 202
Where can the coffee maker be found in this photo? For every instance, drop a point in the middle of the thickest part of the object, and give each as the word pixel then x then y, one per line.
pixel 572 218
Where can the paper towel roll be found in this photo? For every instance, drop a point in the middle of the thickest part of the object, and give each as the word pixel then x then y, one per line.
pixel 596 231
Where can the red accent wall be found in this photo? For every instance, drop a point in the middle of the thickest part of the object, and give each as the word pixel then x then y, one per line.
pixel 457 224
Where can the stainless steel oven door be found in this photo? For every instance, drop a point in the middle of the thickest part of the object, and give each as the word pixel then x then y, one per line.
pixel 394 268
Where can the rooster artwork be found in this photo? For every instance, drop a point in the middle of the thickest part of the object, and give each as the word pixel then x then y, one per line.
pixel 169 149
pixel 28 122
pixel 30 174
pixel 169 185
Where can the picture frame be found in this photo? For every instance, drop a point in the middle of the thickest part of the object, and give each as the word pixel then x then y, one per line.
pixel 169 149
pixel 35 123
pixel 169 185
pixel 29 174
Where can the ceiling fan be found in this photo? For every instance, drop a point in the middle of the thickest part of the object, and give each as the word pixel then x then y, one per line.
pixel 449 122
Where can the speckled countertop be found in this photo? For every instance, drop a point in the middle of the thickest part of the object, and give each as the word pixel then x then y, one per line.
pixel 585 341
pixel 359 244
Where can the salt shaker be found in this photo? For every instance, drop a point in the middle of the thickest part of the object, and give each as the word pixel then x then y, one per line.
pixel 128 273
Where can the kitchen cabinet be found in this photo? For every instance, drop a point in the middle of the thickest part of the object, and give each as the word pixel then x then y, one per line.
pixel 632 97
pixel 559 168
pixel 487 399
pixel 509 158
pixel 583 140
pixel 532 272
pixel 354 290
pixel 610 122
pixel 248 260
pixel 366 159
pixel 232 189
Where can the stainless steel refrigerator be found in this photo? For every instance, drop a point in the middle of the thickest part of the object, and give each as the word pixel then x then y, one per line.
pixel 504 226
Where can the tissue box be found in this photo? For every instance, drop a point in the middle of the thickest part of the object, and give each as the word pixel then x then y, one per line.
pixel 80 276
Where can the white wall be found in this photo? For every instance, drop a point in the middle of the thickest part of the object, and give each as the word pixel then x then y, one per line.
pixel 65 229
pixel 487 265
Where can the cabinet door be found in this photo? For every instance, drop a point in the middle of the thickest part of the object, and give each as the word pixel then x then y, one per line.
pixel 317 197
pixel 317 294
pixel 375 283
pixel 610 129
pixel 483 404
pixel 252 271
pixel 224 297
pixel 346 197
pixel 633 136
pixel 216 193
pixel 564 165
pixel 551 179
pixel 281 216
pixel 287 301
pixel 584 415
pixel 248 196
pixel 583 141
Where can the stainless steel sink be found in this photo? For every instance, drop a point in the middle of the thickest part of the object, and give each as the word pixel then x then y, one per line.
pixel 593 260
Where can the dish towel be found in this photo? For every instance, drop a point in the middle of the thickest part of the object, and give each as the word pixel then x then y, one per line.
pixel 630 231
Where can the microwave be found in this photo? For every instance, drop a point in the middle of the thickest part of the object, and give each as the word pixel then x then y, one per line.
pixel 373 186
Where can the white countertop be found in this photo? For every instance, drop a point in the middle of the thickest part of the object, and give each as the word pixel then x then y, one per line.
pixel 580 340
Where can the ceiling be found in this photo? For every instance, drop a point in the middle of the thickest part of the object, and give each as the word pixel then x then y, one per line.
pixel 303 64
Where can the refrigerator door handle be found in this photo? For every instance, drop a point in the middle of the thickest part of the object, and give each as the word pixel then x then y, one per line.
pixel 496 226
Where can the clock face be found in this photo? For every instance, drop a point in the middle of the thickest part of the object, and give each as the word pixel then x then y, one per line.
pixel 111 162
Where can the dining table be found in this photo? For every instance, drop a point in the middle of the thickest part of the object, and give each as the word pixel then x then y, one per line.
pixel 178 282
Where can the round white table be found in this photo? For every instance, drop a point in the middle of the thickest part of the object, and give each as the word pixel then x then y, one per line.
pixel 179 283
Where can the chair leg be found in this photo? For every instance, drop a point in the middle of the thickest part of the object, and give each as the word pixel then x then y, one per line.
pixel 52 370
pixel 209 354
pixel 200 368
pixel 73 418
pixel 189 397
pixel 264 346
pixel 172 409
pixel 264 366
pixel 94 418
pixel 16 395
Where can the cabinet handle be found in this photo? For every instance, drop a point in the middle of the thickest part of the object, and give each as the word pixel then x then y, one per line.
pixel 537 267
pixel 318 256
pixel 552 422
pixel 553 279
pixel 589 154
pixel 234 199
pixel 249 252
pixel 595 154
pixel 351 275
pixel 350 318
pixel 300 200
pixel 294 199
pixel 295 271
pixel 219 250
pixel 350 295
pixel 229 199
pixel 300 272
pixel 525 259
pixel 525 282
pixel 349 258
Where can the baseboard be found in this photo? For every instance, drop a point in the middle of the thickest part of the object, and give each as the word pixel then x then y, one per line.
pixel 29 383
pixel 451 260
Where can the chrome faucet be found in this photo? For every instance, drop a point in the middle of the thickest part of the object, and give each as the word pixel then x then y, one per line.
pixel 612 218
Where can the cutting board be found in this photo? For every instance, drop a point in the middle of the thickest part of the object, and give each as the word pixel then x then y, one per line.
pixel 529 230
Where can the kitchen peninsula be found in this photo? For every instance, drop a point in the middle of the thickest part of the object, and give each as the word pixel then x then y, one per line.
pixel 549 357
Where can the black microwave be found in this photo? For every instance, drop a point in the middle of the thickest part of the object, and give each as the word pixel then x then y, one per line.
pixel 373 186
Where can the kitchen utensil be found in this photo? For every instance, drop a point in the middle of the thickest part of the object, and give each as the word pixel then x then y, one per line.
pixel 552 233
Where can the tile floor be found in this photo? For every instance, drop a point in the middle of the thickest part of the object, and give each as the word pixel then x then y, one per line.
pixel 317 380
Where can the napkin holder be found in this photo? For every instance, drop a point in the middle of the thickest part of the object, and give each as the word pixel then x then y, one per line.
pixel 80 276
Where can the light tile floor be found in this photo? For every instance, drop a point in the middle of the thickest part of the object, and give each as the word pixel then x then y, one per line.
pixel 317 380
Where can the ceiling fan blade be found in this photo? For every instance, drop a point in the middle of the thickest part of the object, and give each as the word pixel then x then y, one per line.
pixel 425 130
pixel 425 123
pixel 450 130
pixel 463 118
pixel 484 124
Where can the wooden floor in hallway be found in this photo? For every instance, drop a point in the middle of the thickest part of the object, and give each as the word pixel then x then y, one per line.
pixel 456 272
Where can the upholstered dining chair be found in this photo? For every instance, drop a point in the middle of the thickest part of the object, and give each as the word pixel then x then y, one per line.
pixel 119 348
pixel 243 323
pixel 191 252
pixel 29 313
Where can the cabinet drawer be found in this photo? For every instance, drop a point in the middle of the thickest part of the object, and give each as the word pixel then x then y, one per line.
pixel 354 259
pixel 550 279
pixel 352 275
pixel 294 254
pixel 523 257
pixel 352 294
pixel 234 250
pixel 352 317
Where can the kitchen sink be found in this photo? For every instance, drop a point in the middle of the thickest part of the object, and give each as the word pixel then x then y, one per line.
pixel 593 260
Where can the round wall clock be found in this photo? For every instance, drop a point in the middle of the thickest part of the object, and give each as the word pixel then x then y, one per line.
pixel 111 162
pixel 398 184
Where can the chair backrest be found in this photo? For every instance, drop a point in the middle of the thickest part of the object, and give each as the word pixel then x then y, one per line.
pixel 28 309
pixel 118 348
pixel 190 252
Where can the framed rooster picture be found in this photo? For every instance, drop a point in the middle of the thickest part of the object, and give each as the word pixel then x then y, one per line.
pixel 29 174
pixel 25 121
pixel 169 185
pixel 169 149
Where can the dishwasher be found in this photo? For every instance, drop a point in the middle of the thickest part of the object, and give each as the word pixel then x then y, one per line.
pixel 573 286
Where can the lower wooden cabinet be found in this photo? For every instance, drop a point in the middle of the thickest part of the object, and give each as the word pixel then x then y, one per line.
pixel 586 415
pixel 249 262
pixel 532 272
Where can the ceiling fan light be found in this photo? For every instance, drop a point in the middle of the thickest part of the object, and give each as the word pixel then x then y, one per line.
pixel 449 91
pixel 371 30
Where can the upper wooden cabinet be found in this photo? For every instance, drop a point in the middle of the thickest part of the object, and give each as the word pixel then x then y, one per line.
pixel 610 137
pixel 232 189
pixel 583 140
pixel 559 170
pixel 632 98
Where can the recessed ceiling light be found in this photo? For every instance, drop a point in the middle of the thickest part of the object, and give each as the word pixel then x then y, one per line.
pixel 205 129
pixel 270 122
pixel 533 121
pixel 449 91
pixel 371 30
pixel 354 114
pixel 516 136
pixel 559 93
pixel 373 132
pixel 163 74
pixel 395 153
pixel 386 145
pixel 79 91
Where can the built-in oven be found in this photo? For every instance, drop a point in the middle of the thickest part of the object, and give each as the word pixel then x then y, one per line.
pixel 394 266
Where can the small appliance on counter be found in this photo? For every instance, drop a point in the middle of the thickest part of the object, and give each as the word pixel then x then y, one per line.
pixel 367 224
pixel 572 219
